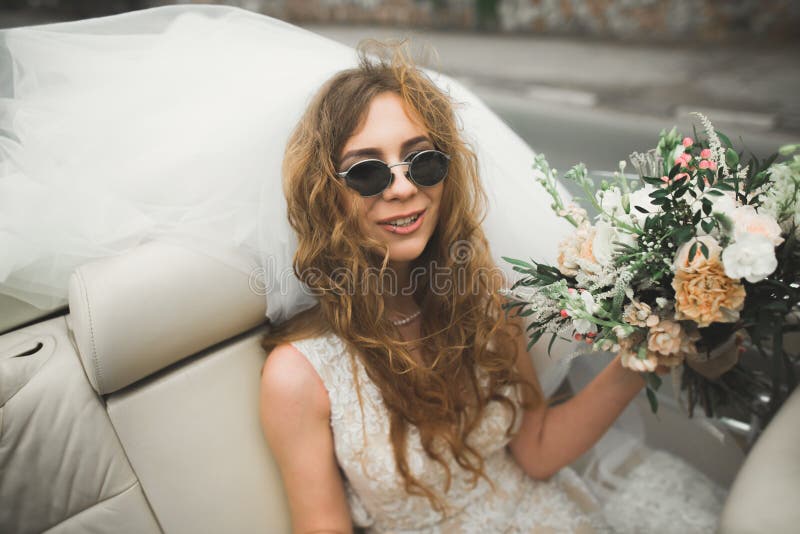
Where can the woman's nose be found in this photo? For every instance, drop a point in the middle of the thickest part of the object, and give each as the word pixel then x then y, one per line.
pixel 401 185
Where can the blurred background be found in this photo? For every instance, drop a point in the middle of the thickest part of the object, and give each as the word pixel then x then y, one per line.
pixel 579 80
pixel 588 80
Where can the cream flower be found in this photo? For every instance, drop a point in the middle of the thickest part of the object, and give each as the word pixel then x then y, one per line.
pixel 632 361
pixel 668 343
pixel 639 314
pixel 576 247
pixel 629 354
pixel 682 260
pixel 747 221
pixel 641 197
pixel 665 338
pixel 752 257
pixel 610 201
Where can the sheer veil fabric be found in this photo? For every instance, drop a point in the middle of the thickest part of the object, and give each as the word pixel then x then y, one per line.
pixel 171 123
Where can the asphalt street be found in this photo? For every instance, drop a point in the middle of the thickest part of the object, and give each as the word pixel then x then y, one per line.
pixel 575 99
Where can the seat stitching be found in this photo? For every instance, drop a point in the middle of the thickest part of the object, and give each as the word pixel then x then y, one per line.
pixel 126 490
pixel 95 360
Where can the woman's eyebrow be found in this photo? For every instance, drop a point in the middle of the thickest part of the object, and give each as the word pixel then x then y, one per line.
pixel 374 152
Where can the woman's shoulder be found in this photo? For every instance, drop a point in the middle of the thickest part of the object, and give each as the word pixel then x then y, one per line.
pixel 315 355
pixel 290 378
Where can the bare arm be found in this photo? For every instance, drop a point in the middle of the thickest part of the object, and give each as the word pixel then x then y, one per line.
pixel 553 437
pixel 295 418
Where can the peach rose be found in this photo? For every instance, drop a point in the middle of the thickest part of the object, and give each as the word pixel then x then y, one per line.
pixel 665 338
pixel 671 342
pixel 682 260
pixel 629 354
pixel 575 250
pixel 705 295
pixel 668 344
pixel 639 314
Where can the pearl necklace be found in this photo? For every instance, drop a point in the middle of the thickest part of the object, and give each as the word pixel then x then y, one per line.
pixel 406 320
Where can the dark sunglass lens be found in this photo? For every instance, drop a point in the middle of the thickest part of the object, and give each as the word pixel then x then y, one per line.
pixel 429 168
pixel 369 178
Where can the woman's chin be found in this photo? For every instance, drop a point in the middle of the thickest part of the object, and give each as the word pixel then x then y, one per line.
pixel 407 251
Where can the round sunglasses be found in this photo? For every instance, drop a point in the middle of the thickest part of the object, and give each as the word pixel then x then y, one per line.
pixel 371 177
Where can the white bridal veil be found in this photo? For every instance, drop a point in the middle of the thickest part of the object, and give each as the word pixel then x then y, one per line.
pixel 171 123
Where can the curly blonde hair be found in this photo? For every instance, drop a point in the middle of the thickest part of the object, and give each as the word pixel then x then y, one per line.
pixel 442 396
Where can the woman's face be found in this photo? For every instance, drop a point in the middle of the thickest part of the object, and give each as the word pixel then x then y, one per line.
pixel 390 134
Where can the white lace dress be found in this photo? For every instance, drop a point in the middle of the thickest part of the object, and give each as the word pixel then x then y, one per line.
pixel 660 494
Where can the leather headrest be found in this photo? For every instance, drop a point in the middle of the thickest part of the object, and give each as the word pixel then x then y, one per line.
pixel 139 312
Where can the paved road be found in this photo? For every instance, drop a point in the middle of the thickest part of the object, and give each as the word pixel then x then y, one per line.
pixel 595 102
pixel 753 87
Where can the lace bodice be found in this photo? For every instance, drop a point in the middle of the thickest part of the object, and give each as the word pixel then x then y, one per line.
pixel 634 490
pixel 374 487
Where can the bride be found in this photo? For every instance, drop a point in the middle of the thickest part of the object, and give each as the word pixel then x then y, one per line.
pixel 392 400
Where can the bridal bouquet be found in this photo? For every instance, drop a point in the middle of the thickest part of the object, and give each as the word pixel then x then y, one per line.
pixel 694 265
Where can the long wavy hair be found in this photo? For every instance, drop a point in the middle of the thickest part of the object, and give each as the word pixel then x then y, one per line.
pixel 464 327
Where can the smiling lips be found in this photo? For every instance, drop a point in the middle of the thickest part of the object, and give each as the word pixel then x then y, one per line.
pixel 398 217
pixel 405 224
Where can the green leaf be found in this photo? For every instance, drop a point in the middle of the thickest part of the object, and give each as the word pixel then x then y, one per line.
pixel 731 158
pixel 653 381
pixel 704 249
pixel 707 226
pixel 517 262
pixel 651 397
pixel 724 139
pixel 693 251
pixel 724 186
pixel 550 345
pixel 724 221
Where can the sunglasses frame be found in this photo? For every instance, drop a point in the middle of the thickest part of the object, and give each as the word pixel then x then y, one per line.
pixel 407 174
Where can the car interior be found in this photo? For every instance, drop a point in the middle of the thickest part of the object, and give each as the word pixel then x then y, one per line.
pixel 135 410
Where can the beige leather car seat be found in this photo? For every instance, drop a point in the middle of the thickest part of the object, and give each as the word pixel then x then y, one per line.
pixel 137 412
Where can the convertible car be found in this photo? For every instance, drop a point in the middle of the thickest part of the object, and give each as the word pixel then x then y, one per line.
pixel 133 408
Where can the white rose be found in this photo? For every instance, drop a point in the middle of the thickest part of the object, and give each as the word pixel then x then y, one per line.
pixel 588 306
pixel 747 221
pixel 611 201
pixel 605 238
pixel 641 198
pixel 603 245
pixel 752 257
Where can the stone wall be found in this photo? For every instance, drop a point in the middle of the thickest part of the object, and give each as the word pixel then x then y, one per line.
pixel 670 20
